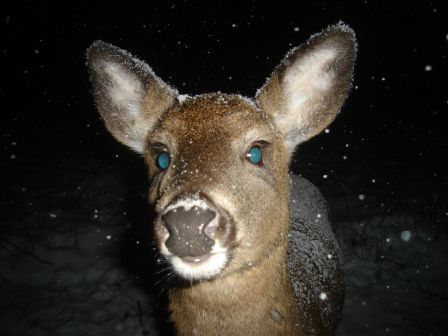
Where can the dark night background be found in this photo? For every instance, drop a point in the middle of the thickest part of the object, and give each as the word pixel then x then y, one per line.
pixel 383 163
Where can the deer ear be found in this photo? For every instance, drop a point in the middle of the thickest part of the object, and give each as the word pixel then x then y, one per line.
pixel 306 91
pixel 128 95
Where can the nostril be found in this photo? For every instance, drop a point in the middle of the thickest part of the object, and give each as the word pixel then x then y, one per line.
pixel 211 228
pixel 203 217
pixel 169 220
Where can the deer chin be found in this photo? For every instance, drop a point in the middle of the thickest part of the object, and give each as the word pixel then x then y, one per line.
pixel 198 268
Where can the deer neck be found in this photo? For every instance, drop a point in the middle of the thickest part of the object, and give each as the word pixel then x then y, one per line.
pixel 259 300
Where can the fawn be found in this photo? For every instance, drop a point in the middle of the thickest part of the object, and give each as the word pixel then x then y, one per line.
pixel 218 166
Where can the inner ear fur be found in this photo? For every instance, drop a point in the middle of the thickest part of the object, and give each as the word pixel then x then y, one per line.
pixel 308 88
pixel 127 93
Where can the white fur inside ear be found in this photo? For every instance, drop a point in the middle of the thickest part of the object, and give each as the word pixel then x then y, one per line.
pixel 126 90
pixel 126 93
pixel 306 79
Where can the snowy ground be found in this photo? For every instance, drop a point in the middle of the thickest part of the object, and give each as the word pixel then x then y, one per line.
pixel 75 254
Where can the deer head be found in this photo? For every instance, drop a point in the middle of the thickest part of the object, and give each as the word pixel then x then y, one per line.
pixel 218 163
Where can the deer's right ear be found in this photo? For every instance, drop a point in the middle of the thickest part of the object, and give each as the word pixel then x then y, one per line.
pixel 128 95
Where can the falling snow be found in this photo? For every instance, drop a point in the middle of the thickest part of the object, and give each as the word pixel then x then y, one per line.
pixel 406 235
pixel 323 296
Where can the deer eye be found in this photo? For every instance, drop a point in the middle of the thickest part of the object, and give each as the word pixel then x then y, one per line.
pixel 163 160
pixel 255 155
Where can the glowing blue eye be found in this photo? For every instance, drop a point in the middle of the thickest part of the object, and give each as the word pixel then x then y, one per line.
pixel 163 160
pixel 255 155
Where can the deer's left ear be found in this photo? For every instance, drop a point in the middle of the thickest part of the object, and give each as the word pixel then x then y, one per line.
pixel 306 91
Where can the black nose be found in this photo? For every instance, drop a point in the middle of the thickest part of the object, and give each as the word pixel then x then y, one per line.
pixel 188 234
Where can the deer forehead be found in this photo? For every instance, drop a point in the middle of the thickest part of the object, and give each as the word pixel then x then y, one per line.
pixel 214 118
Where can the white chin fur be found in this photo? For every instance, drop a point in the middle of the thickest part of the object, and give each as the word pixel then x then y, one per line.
pixel 201 270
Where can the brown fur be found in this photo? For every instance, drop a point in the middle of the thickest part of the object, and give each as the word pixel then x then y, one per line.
pixel 239 304
pixel 208 137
